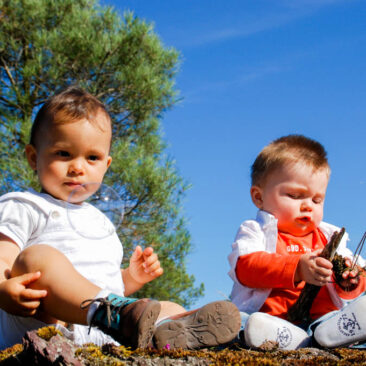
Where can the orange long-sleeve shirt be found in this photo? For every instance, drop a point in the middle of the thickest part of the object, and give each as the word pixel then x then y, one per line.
pixel 277 271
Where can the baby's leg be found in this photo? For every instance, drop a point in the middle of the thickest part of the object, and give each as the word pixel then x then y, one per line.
pixel 128 321
pixel 66 288
pixel 169 310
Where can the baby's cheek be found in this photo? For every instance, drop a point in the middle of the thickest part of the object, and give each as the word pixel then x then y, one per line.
pixel 318 218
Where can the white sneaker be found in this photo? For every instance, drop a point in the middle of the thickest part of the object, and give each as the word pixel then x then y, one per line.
pixel 263 327
pixel 345 327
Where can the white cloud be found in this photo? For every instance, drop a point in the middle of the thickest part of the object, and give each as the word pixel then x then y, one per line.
pixel 218 87
pixel 261 25
pixel 288 11
pixel 314 4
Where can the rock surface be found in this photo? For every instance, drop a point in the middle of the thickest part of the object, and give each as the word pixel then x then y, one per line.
pixel 56 351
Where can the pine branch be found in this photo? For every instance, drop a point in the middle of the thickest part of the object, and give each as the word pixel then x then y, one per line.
pixel 300 311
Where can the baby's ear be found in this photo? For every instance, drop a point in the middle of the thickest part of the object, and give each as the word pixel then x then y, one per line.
pixel 109 161
pixel 256 194
pixel 31 153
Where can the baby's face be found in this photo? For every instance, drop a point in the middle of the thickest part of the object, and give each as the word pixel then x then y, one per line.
pixel 70 155
pixel 295 195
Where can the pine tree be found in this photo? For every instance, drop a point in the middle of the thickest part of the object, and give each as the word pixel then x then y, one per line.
pixel 46 45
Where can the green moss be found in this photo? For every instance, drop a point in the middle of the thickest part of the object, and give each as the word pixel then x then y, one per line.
pixel 11 351
pixel 47 333
pixel 111 355
pixel 93 355
pixel 117 351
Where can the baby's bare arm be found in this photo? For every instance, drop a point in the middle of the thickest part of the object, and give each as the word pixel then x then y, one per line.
pixel 9 251
pixel 314 269
pixel 15 297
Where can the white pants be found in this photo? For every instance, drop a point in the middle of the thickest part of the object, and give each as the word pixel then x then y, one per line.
pixel 13 328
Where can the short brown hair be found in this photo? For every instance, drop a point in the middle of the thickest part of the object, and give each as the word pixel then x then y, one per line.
pixel 70 105
pixel 288 149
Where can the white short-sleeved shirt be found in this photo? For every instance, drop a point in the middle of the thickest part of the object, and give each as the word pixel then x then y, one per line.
pixel 78 231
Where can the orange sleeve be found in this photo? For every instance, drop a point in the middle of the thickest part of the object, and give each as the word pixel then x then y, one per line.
pixel 267 270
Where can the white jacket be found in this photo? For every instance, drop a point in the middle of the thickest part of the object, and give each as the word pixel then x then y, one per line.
pixel 261 235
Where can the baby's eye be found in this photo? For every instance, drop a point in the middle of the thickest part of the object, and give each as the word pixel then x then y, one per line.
pixel 317 200
pixel 294 196
pixel 62 153
pixel 93 157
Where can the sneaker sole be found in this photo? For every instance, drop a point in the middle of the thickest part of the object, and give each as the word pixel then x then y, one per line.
pixel 146 324
pixel 262 327
pixel 213 324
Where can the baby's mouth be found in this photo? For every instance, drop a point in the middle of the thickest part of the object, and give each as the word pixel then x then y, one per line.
pixel 304 219
pixel 73 184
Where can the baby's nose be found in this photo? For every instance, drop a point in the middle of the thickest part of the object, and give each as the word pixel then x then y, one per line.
pixel 76 167
pixel 306 205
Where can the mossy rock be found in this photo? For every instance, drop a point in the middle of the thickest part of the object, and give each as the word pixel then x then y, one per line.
pixel 39 347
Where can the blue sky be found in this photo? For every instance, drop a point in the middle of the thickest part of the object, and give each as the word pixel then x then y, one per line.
pixel 252 71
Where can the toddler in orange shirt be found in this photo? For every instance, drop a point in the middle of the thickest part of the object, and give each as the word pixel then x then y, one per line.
pixel 275 255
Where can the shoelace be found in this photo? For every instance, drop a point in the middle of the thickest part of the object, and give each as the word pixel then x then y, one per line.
pixel 110 308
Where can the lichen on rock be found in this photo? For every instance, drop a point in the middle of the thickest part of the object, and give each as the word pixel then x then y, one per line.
pixel 55 349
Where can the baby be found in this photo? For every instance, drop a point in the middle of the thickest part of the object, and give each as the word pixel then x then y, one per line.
pixel 275 255
pixel 50 274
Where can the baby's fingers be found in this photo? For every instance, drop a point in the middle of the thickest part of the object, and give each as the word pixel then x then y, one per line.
pixel 28 278
pixel 31 305
pixel 354 281
pixel 29 294
pixel 30 308
pixel 322 276
pixel 323 263
pixel 323 272
pixel 137 253
pixel 348 262
pixel 151 261
pixel 149 268
pixel 349 274
pixel 148 251
pixel 158 272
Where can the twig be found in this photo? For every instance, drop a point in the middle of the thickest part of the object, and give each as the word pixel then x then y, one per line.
pixel 301 309
pixel 358 251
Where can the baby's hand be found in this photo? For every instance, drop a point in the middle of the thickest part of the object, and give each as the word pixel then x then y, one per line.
pixel 350 278
pixel 144 265
pixel 17 298
pixel 314 269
